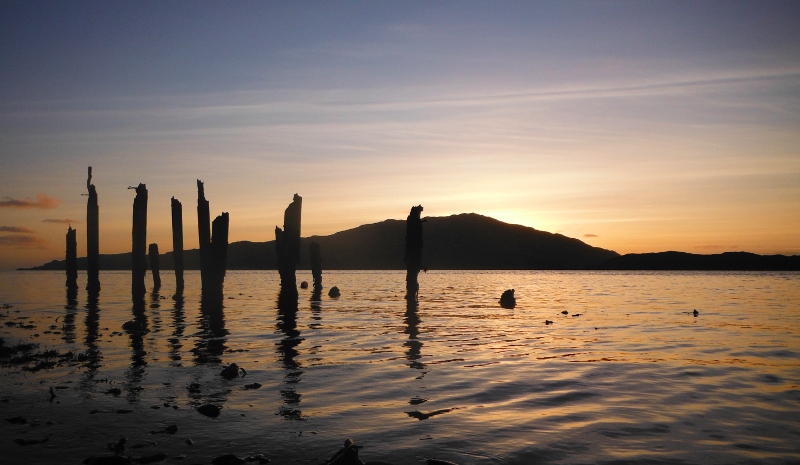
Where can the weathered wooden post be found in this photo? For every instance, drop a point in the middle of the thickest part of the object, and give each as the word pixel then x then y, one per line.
pixel 92 238
pixel 72 259
pixel 139 243
pixel 316 265
pixel 218 252
pixel 203 231
pixel 287 243
pixel 213 247
pixel 177 243
pixel 154 266
pixel 413 255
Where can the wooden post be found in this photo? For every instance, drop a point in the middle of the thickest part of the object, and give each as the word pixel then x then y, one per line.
pixel 316 265
pixel 204 231
pixel 177 243
pixel 72 259
pixel 139 243
pixel 218 252
pixel 92 238
pixel 154 266
pixel 413 256
pixel 287 243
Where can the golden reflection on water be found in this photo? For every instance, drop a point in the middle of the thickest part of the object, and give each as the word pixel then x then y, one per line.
pixel 625 370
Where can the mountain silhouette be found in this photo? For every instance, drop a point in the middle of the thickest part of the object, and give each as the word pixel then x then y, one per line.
pixel 728 261
pixel 459 242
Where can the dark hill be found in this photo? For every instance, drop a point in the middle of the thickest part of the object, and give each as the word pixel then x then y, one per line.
pixel 729 261
pixel 460 242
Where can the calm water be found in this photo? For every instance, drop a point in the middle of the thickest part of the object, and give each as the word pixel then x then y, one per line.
pixel 635 378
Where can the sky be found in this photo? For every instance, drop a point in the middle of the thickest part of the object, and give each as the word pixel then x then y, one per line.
pixel 632 126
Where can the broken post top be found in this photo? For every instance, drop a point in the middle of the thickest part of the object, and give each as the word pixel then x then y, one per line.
pixel 89 185
pixel 141 189
pixel 201 193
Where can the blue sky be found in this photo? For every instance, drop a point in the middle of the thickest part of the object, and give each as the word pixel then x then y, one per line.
pixel 635 126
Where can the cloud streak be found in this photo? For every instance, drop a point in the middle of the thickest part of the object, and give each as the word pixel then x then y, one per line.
pixel 58 221
pixel 18 241
pixel 43 201
pixel 16 229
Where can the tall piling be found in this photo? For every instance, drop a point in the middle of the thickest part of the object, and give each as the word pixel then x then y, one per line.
pixel 213 245
pixel 218 253
pixel 139 242
pixel 203 231
pixel 316 265
pixel 152 252
pixel 92 238
pixel 413 255
pixel 72 260
pixel 177 243
pixel 287 243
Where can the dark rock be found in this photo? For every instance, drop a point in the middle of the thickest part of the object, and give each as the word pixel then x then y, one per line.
pixel 565 312
pixel 28 442
pixel 232 371
pixel 124 410
pixel 194 388
pixel 209 410
pixel 348 455
pixel 150 458
pixel 507 300
pixel 227 459
pixel 548 322
pixel 108 460
pixel 115 391
pixel 695 312
pixel 171 429
pixel 16 420
pixel 304 285
pixel 334 292
pixel 252 386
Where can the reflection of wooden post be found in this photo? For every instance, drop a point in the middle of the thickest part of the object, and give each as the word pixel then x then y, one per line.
pixel 413 256
pixel 139 245
pixel 92 237
pixel 154 266
pixel 72 259
pixel 203 230
pixel 287 243
pixel 177 242
pixel 316 265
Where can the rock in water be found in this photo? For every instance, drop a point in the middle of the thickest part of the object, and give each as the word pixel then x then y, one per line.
pixel 507 300
pixel 231 371
pixel 334 292
pixel 209 410
pixel 348 455
pixel 227 459
pixel 304 285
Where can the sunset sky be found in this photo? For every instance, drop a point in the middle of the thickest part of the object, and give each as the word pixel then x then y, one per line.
pixel 634 126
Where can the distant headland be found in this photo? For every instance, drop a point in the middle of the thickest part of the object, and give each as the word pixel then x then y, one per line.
pixel 466 241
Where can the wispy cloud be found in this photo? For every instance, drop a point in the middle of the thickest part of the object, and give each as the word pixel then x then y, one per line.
pixel 716 247
pixel 43 201
pixel 590 235
pixel 18 241
pixel 16 229
pixel 58 221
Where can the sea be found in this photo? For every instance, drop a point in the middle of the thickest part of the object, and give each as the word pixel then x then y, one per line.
pixel 590 367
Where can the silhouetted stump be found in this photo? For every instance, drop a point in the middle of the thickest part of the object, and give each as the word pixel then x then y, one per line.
pixel 92 237
pixel 507 300
pixel 177 243
pixel 72 259
pixel 413 255
pixel 139 243
pixel 213 245
pixel 155 266
pixel 287 244
pixel 316 265
pixel 334 292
